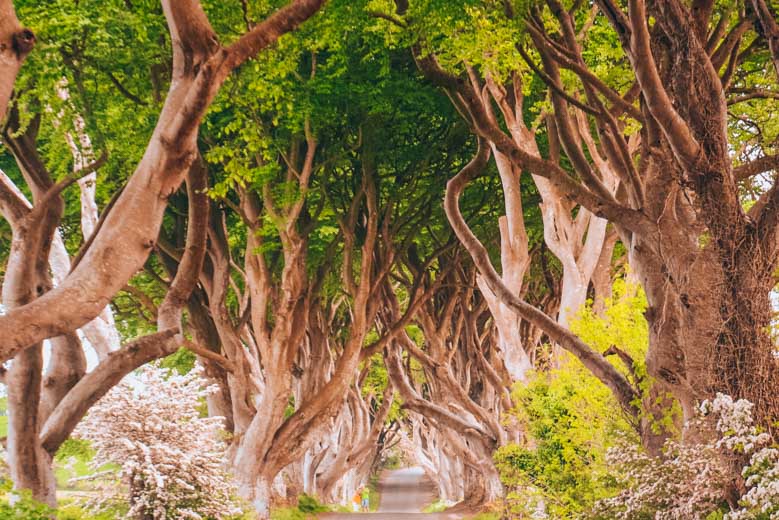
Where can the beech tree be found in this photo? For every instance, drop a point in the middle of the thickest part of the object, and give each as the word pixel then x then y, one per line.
pixel 356 445
pixel 200 65
pixel 316 339
pixel 313 217
pixel 115 250
pixel 466 387
pixel 289 230
pixel 663 125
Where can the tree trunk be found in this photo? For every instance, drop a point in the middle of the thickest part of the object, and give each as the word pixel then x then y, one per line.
pixel 16 43
pixel 515 260
pixel 30 466
pixel 708 329
pixel 601 276
pixel 255 490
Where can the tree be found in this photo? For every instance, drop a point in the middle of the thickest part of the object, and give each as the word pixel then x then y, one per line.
pixel 661 125
pixel 200 65
pixel 118 247
pixel 465 387
pixel 321 188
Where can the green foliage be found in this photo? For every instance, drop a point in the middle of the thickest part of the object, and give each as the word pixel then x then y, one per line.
pixel 182 361
pixel 3 416
pixel 374 497
pixel 19 505
pixel 309 504
pixel 485 516
pixel 287 513
pixel 572 418
pixel 72 461
pixel 436 507
pixel 290 409
pixel 376 382
pixel 73 447
pixel 73 511
pixel 89 47
pixel 26 508
pixel 308 507
pixel 392 461
pixel 624 325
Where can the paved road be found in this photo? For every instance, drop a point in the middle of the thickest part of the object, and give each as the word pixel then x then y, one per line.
pixel 404 493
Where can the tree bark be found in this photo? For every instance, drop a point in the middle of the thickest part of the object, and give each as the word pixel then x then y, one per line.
pixel 601 275
pixel 16 42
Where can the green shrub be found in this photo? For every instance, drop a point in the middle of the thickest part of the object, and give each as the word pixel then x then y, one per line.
pixel 571 419
pixel 309 504
pixel 436 507
pixel 392 461
pixel 19 505
pixel 485 516
pixel 73 511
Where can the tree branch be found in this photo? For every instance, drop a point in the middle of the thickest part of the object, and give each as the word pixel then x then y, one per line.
pixel 14 206
pixel 755 167
pixel 271 29
pixel 596 363
pixel 169 315
pixel 61 185
pixel 684 145
pixel 770 29
pixel 97 383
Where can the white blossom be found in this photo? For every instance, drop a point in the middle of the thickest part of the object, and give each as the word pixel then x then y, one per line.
pixel 170 459
pixel 691 480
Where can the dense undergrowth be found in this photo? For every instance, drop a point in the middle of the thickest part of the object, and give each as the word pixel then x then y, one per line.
pixel 582 457
pixel 571 420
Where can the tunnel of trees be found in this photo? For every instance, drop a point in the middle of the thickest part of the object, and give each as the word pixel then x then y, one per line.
pixel 527 245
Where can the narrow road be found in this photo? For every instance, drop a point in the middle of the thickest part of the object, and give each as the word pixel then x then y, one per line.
pixel 403 492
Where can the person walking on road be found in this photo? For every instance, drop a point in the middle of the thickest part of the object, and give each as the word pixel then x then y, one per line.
pixel 366 499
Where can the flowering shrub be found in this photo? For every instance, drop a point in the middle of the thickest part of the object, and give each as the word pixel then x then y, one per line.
pixel 687 483
pixel 168 456
pixel 739 435
pixel 691 480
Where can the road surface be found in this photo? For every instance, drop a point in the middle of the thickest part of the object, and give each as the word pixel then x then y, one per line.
pixel 404 492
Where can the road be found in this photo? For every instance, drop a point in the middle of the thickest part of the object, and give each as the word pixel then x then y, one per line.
pixel 404 492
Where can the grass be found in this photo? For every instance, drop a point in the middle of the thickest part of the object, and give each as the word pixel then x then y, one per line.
pixel 485 516
pixel 375 496
pixel 79 468
pixel 71 510
pixel 436 507
pixel 308 507
pixel 289 513
pixel 72 462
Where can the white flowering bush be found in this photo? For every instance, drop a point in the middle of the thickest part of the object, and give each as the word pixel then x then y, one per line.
pixel 739 435
pixel 691 480
pixel 169 458
pixel 687 483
